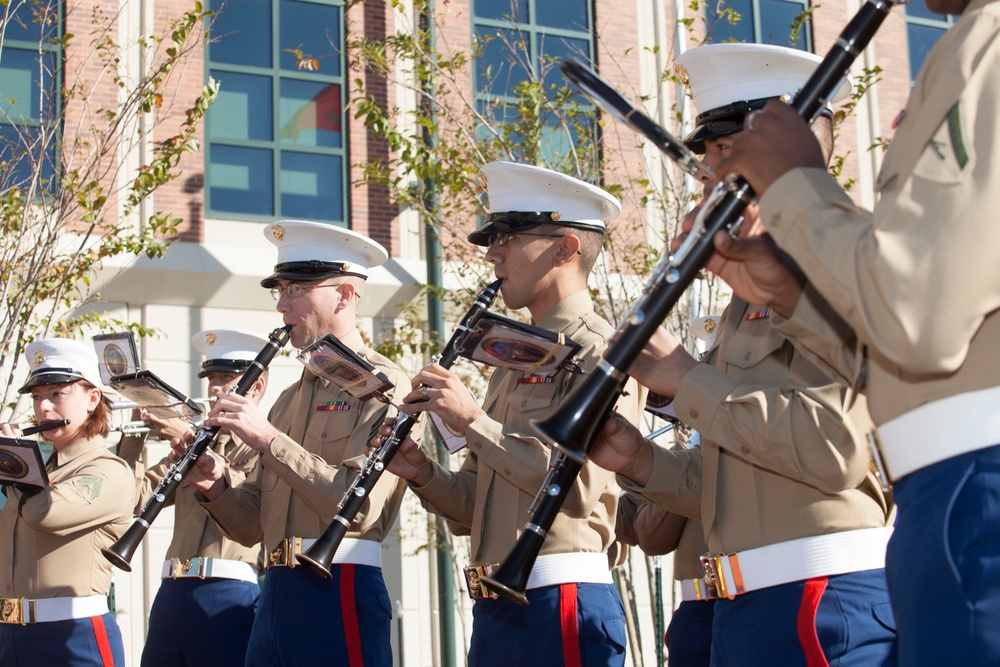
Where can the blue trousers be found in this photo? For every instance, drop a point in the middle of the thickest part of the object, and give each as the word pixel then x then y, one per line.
pixel 943 562
pixel 304 619
pixel 844 620
pixel 186 610
pixel 689 635
pixel 571 624
pixel 75 643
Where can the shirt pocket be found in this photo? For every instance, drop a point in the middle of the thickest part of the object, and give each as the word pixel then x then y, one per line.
pixel 531 398
pixel 328 439
pixel 751 345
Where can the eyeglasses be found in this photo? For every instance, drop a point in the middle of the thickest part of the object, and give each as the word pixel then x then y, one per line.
pixel 502 239
pixel 295 290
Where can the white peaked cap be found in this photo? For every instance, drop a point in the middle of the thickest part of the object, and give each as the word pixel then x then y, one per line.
pixel 59 361
pixel 523 196
pixel 313 251
pixel 227 350
pixel 720 74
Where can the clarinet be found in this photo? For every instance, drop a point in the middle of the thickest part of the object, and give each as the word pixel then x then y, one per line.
pixel 318 558
pixel 120 553
pixel 573 428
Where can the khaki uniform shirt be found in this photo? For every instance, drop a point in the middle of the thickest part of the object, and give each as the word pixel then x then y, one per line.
pixel 917 280
pixel 782 454
pixel 297 486
pixel 490 496
pixel 195 532
pixel 656 531
pixel 52 541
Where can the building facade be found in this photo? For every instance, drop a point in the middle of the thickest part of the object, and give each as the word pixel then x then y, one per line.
pixel 282 141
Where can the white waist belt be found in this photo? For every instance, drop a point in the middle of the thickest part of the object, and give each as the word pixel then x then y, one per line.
pixel 24 611
pixel 796 560
pixel 939 430
pixel 583 568
pixel 356 552
pixel 208 568
pixel 695 589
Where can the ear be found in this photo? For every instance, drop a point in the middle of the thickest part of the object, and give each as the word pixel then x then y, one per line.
pixel 94 397
pixel 347 292
pixel 569 247
pixel 258 387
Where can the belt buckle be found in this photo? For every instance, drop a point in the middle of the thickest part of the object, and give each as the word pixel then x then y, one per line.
pixel 191 568
pixel 12 611
pixel 473 581
pixel 878 461
pixel 712 568
pixel 283 555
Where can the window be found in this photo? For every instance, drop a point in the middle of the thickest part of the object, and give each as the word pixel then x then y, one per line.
pixel 923 29
pixel 275 141
pixel 777 22
pixel 29 96
pixel 522 40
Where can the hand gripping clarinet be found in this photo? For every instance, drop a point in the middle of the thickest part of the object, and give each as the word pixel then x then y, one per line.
pixel 120 553
pixel 574 427
pixel 319 557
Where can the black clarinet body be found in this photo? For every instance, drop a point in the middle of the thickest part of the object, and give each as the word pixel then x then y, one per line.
pixel 120 553
pixel 573 428
pixel 318 558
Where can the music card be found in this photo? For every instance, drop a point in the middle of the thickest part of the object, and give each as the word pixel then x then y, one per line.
pixel 155 396
pixel 500 341
pixel 332 360
pixel 116 355
pixel 21 463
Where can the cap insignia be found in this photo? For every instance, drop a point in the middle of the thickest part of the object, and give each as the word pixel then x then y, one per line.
pixel 682 74
pixel 39 357
pixel 555 215
pixel 210 338
pixel 346 267
pixel 482 181
pixel 278 231
pixel 709 325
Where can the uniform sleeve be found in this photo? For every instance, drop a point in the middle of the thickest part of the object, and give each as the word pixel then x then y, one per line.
pixel 823 336
pixel 321 484
pixel 648 526
pixel 451 494
pixel 799 428
pixel 101 492
pixel 523 459
pixel 237 510
pixel 675 484
pixel 930 240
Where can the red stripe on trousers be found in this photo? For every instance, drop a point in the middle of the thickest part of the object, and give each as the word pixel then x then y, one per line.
pixel 352 635
pixel 103 645
pixel 569 626
pixel 812 593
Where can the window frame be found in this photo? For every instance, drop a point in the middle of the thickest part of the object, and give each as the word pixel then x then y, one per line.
pixel 276 146
pixel 755 9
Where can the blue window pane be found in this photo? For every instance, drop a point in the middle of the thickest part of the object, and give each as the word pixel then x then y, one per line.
pixel 516 10
pixel 312 186
pixel 20 153
pixel 310 113
pixel 310 37
pixel 243 107
pixel 241 33
pixel 566 14
pixel 24 76
pixel 554 51
pixel 32 21
pixel 500 65
pixel 721 30
pixel 776 18
pixel 922 39
pixel 918 9
pixel 241 180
